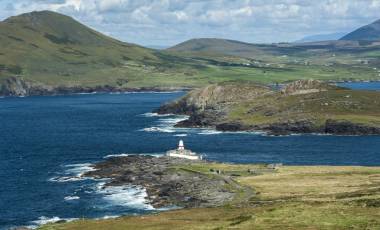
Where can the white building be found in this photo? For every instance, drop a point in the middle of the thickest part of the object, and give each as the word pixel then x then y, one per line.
pixel 181 152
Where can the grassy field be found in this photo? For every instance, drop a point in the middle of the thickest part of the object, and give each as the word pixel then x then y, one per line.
pixel 289 197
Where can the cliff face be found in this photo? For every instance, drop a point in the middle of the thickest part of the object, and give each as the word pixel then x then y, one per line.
pixel 209 105
pixel 305 106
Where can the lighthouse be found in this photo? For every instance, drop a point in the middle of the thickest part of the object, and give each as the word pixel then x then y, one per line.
pixel 181 146
pixel 181 152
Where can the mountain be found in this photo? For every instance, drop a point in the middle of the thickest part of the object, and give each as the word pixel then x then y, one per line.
pixel 53 49
pixel 321 37
pixel 369 32
pixel 221 46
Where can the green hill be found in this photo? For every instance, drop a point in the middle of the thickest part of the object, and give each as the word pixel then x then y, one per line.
pixel 52 45
pixel 50 53
pixel 222 46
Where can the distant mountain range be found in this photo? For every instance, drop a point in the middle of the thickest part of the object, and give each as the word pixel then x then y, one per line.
pixel 322 37
pixel 369 32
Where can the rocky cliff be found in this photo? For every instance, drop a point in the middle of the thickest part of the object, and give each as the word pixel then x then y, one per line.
pixel 304 106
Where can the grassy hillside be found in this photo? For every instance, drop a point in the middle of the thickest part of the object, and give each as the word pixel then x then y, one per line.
pixel 340 104
pixel 55 50
pixel 292 197
pixel 330 60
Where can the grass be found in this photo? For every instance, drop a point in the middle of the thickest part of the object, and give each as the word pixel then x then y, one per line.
pixel 356 106
pixel 291 197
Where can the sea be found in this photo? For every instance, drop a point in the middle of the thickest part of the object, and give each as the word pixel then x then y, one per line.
pixel 48 142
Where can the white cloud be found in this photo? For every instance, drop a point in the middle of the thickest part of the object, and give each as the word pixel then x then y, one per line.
pixel 163 22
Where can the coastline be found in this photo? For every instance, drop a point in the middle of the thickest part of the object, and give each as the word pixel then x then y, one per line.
pixel 116 91
pixel 296 197
pixel 168 181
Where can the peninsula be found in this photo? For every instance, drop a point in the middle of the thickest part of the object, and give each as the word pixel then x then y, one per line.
pixel 302 106
pixel 241 196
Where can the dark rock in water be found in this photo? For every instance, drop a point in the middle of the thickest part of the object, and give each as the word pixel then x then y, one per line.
pixel 349 128
pixel 294 127
pixel 233 127
pixel 167 181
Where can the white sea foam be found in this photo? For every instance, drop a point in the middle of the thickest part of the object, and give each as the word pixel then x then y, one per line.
pixel 117 155
pixel 159 129
pixel 155 115
pixel 87 93
pixel 65 179
pixel 79 169
pixel 72 198
pixel 130 196
pixel 128 154
pixel 210 132
pixel 166 125
pixel 48 220
pixel 73 172
pixel 173 120
pixel 181 135
pixel 107 217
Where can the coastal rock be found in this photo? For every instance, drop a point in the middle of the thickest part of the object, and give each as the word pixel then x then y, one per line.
pixel 305 87
pixel 167 181
pixel 349 128
pixel 232 126
pixel 286 128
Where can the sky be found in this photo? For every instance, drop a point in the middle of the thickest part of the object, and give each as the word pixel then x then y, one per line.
pixel 168 22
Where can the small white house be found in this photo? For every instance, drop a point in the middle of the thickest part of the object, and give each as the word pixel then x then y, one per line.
pixel 181 152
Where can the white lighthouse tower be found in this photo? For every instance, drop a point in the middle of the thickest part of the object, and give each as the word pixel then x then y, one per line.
pixel 181 152
pixel 181 146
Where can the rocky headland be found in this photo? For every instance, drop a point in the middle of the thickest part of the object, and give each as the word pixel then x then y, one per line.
pixel 303 106
pixel 172 181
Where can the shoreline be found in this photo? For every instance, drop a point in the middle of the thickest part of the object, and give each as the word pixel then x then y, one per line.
pixel 26 89
pixel 128 91
pixel 168 181
pixel 313 190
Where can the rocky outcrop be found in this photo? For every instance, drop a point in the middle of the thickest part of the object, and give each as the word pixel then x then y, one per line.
pixel 14 86
pixel 349 128
pixel 209 105
pixel 167 181
pixel 305 87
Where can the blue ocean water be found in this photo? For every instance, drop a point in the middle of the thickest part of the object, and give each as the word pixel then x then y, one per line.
pixel 47 142
pixel 361 85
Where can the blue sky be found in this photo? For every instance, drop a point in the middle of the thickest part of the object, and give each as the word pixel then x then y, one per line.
pixel 167 22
